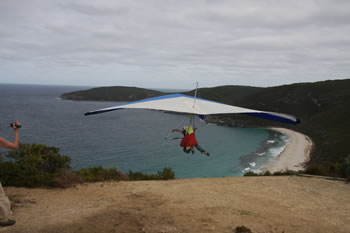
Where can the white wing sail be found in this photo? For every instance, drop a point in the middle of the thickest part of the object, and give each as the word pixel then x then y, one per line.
pixel 184 104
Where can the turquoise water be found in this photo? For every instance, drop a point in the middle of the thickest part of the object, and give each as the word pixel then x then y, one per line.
pixel 129 139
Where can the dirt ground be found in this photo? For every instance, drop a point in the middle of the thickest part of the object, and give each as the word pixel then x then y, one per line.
pixel 263 204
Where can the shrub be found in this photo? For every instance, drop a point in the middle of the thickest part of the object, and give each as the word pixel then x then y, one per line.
pixel 99 173
pixel 323 169
pixel 9 173
pixel 32 165
pixel 42 158
pixel 345 168
pixel 166 174
pixel 316 169
pixel 242 229
pixel 267 173
pixel 66 178
pixel 141 176
pixel 250 173
pixel 286 173
pixel 40 165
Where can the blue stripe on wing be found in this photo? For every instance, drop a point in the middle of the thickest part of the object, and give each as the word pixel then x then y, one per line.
pixel 118 107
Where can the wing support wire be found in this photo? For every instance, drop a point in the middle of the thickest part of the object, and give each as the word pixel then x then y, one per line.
pixel 191 115
pixel 194 103
pixel 171 131
pixel 195 95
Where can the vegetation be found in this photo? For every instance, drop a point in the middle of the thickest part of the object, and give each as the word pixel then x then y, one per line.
pixel 166 174
pixel 95 174
pixel 242 229
pixel 112 94
pixel 323 107
pixel 32 165
pixel 40 165
pixel 345 167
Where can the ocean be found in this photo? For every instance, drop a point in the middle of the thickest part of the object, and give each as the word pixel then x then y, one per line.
pixel 130 139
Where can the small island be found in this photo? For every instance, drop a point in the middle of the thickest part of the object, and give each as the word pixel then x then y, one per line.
pixel 118 93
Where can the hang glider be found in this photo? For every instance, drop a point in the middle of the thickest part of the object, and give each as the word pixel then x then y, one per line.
pixel 193 105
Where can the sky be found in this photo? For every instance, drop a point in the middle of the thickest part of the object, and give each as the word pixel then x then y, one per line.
pixel 174 44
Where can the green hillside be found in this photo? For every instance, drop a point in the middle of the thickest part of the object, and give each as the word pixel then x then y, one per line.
pixel 323 107
pixel 324 110
pixel 228 94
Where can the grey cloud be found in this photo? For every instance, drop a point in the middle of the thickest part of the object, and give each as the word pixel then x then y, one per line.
pixel 270 40
pixel 94 9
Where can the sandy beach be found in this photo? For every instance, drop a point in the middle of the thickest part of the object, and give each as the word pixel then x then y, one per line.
pixel 295 154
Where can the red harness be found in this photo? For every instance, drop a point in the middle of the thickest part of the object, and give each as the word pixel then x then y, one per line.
pixel 189 140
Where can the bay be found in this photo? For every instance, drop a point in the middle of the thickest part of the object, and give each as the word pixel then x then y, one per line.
pixel 127 139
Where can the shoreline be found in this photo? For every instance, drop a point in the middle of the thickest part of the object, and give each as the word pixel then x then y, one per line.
pixel 295 154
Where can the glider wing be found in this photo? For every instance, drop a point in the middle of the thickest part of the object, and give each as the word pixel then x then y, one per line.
pixel 188 104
